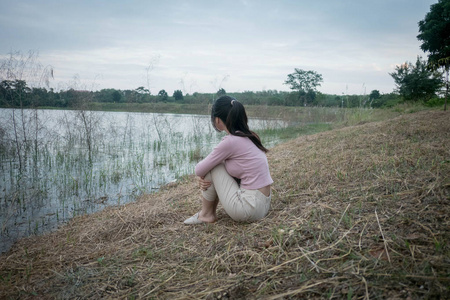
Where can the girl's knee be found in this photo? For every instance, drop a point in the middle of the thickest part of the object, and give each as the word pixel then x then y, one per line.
pixel 208 176
pixel 218 170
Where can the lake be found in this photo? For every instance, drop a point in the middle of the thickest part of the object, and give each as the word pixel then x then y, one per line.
pixel 57 164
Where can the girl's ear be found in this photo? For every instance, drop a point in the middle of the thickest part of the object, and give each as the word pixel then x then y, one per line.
pixel 220 124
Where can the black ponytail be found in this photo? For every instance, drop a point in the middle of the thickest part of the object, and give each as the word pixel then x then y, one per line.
pixel 233 115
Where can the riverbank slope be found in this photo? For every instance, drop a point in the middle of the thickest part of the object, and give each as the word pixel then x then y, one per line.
pixel 361 211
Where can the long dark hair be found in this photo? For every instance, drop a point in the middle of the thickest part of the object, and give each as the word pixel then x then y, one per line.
pixel 233 115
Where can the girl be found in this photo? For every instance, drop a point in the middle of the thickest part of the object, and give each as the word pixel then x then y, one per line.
pixel 236 172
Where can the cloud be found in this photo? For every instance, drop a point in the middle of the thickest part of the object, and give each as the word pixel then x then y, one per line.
pixel 256 43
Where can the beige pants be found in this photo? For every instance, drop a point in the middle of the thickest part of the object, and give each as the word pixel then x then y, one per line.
pixel 240 204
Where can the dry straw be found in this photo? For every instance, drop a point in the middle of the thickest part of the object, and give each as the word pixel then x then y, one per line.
pixel 358 213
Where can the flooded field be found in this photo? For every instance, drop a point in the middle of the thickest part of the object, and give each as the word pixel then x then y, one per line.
pixel 57 164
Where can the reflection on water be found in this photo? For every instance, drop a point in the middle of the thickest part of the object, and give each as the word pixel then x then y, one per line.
pixel 59 164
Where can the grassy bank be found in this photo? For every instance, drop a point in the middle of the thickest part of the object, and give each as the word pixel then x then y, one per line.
pixel 160 107
pixel 296 116
pixel 357 212
pixel 257 111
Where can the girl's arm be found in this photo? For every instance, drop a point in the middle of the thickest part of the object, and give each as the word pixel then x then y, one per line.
pixel 219 154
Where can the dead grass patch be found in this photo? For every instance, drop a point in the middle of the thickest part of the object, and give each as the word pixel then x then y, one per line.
pixel 360 212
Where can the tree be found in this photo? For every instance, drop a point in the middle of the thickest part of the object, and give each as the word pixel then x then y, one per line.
pixel 116 96
pixel 142 90
pixel 375 94
pixel 435 36
pixel 141 94
pixel 178 95
pixel 305 82
pixel 163 95
pixel 416 82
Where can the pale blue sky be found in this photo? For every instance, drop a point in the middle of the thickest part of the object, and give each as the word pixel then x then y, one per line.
pixel 201 46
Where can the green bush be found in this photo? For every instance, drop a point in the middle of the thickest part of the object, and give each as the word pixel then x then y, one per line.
pixel 434 102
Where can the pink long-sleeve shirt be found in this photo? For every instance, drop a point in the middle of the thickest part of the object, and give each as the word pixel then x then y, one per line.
pixel 242 160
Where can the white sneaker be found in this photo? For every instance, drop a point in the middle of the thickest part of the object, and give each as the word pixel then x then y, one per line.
pixel 193 220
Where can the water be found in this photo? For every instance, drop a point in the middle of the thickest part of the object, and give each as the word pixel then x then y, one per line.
pixel 57 164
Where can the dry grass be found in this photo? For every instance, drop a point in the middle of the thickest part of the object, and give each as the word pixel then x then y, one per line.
pixel 358 213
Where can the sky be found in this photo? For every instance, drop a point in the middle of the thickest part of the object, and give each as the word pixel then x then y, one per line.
pixel 202 46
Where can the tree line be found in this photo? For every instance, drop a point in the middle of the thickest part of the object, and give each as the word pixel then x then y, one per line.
pixel 16 93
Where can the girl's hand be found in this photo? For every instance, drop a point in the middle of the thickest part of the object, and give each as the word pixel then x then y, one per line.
pixel 203 184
